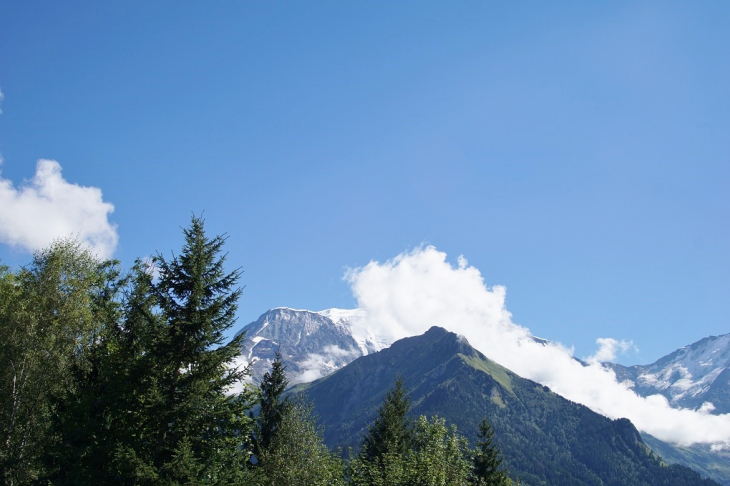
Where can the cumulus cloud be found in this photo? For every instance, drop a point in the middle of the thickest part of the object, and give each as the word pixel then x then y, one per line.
pixel 48 207
pixel 416 290
pixel 608 348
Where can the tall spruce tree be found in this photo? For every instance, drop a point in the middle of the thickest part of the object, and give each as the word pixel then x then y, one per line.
pixel 391 431
pixel 271 391
pixel 154 404
pixel 488 469
pixel 202 429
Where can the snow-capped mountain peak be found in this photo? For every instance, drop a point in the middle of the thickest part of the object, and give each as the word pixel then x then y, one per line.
pixel 313 344
pixel 694 376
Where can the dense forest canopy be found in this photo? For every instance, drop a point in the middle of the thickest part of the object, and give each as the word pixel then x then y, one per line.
pixel 111 376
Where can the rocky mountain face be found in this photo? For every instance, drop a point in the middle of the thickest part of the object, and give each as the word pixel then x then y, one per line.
pixel 312 344
pixel 695 376
pixel 545 438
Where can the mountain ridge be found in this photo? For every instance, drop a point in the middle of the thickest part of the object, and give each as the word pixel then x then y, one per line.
pixel 545 438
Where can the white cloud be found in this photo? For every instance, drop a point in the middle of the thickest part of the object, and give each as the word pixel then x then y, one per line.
pixel 49 207
pixel 608 348
pixel 2 97
pixel 239 363
pixel 414 291
pixel 318 365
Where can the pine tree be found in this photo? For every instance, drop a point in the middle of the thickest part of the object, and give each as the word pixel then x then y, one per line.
pixel 391 430
pixel 200 425
pixel 488 459
pixel 271 390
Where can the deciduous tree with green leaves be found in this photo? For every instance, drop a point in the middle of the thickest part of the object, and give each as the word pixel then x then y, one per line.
pixel 296 454
pixel 51 312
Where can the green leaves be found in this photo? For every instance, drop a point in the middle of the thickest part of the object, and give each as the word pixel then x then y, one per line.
pixel 148 400
pixel 51 312
pixel 438 457
pixel 424 453
pixel 296 454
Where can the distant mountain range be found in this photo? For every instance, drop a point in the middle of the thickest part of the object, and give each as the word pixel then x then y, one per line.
pixel 697 377
pixel 545 439
pixel 316 344
pixel 694 376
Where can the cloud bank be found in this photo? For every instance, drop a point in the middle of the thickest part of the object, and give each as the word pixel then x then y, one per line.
pixel 414 291
pixel 318 365
pixel 48 207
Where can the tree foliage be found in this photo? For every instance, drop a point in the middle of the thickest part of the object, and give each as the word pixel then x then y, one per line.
pixel 272 404
pixel 50 313
pixel 296 453
pixel 153 401
pixel 391 431
pixel 395 452
pixel 126 379
pixel 438 457
pixel 487 470
pixel 192 406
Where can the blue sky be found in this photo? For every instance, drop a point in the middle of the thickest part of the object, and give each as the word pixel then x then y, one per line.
pixel 576 153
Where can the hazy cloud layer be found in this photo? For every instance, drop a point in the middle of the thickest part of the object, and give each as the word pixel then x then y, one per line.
pixel 414 291
pixel 48 207
pixel 318 365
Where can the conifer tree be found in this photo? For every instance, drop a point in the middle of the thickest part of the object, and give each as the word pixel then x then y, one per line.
pixel 487 469
pixel 200 425
pixel 438 457
pixel 271 390
pixel 391 430
pixel 154 405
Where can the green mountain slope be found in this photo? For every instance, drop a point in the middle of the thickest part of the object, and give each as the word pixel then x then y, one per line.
pixel 545 438
pixel 712 464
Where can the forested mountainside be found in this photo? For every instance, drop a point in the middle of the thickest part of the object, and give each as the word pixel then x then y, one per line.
pixel 545 438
